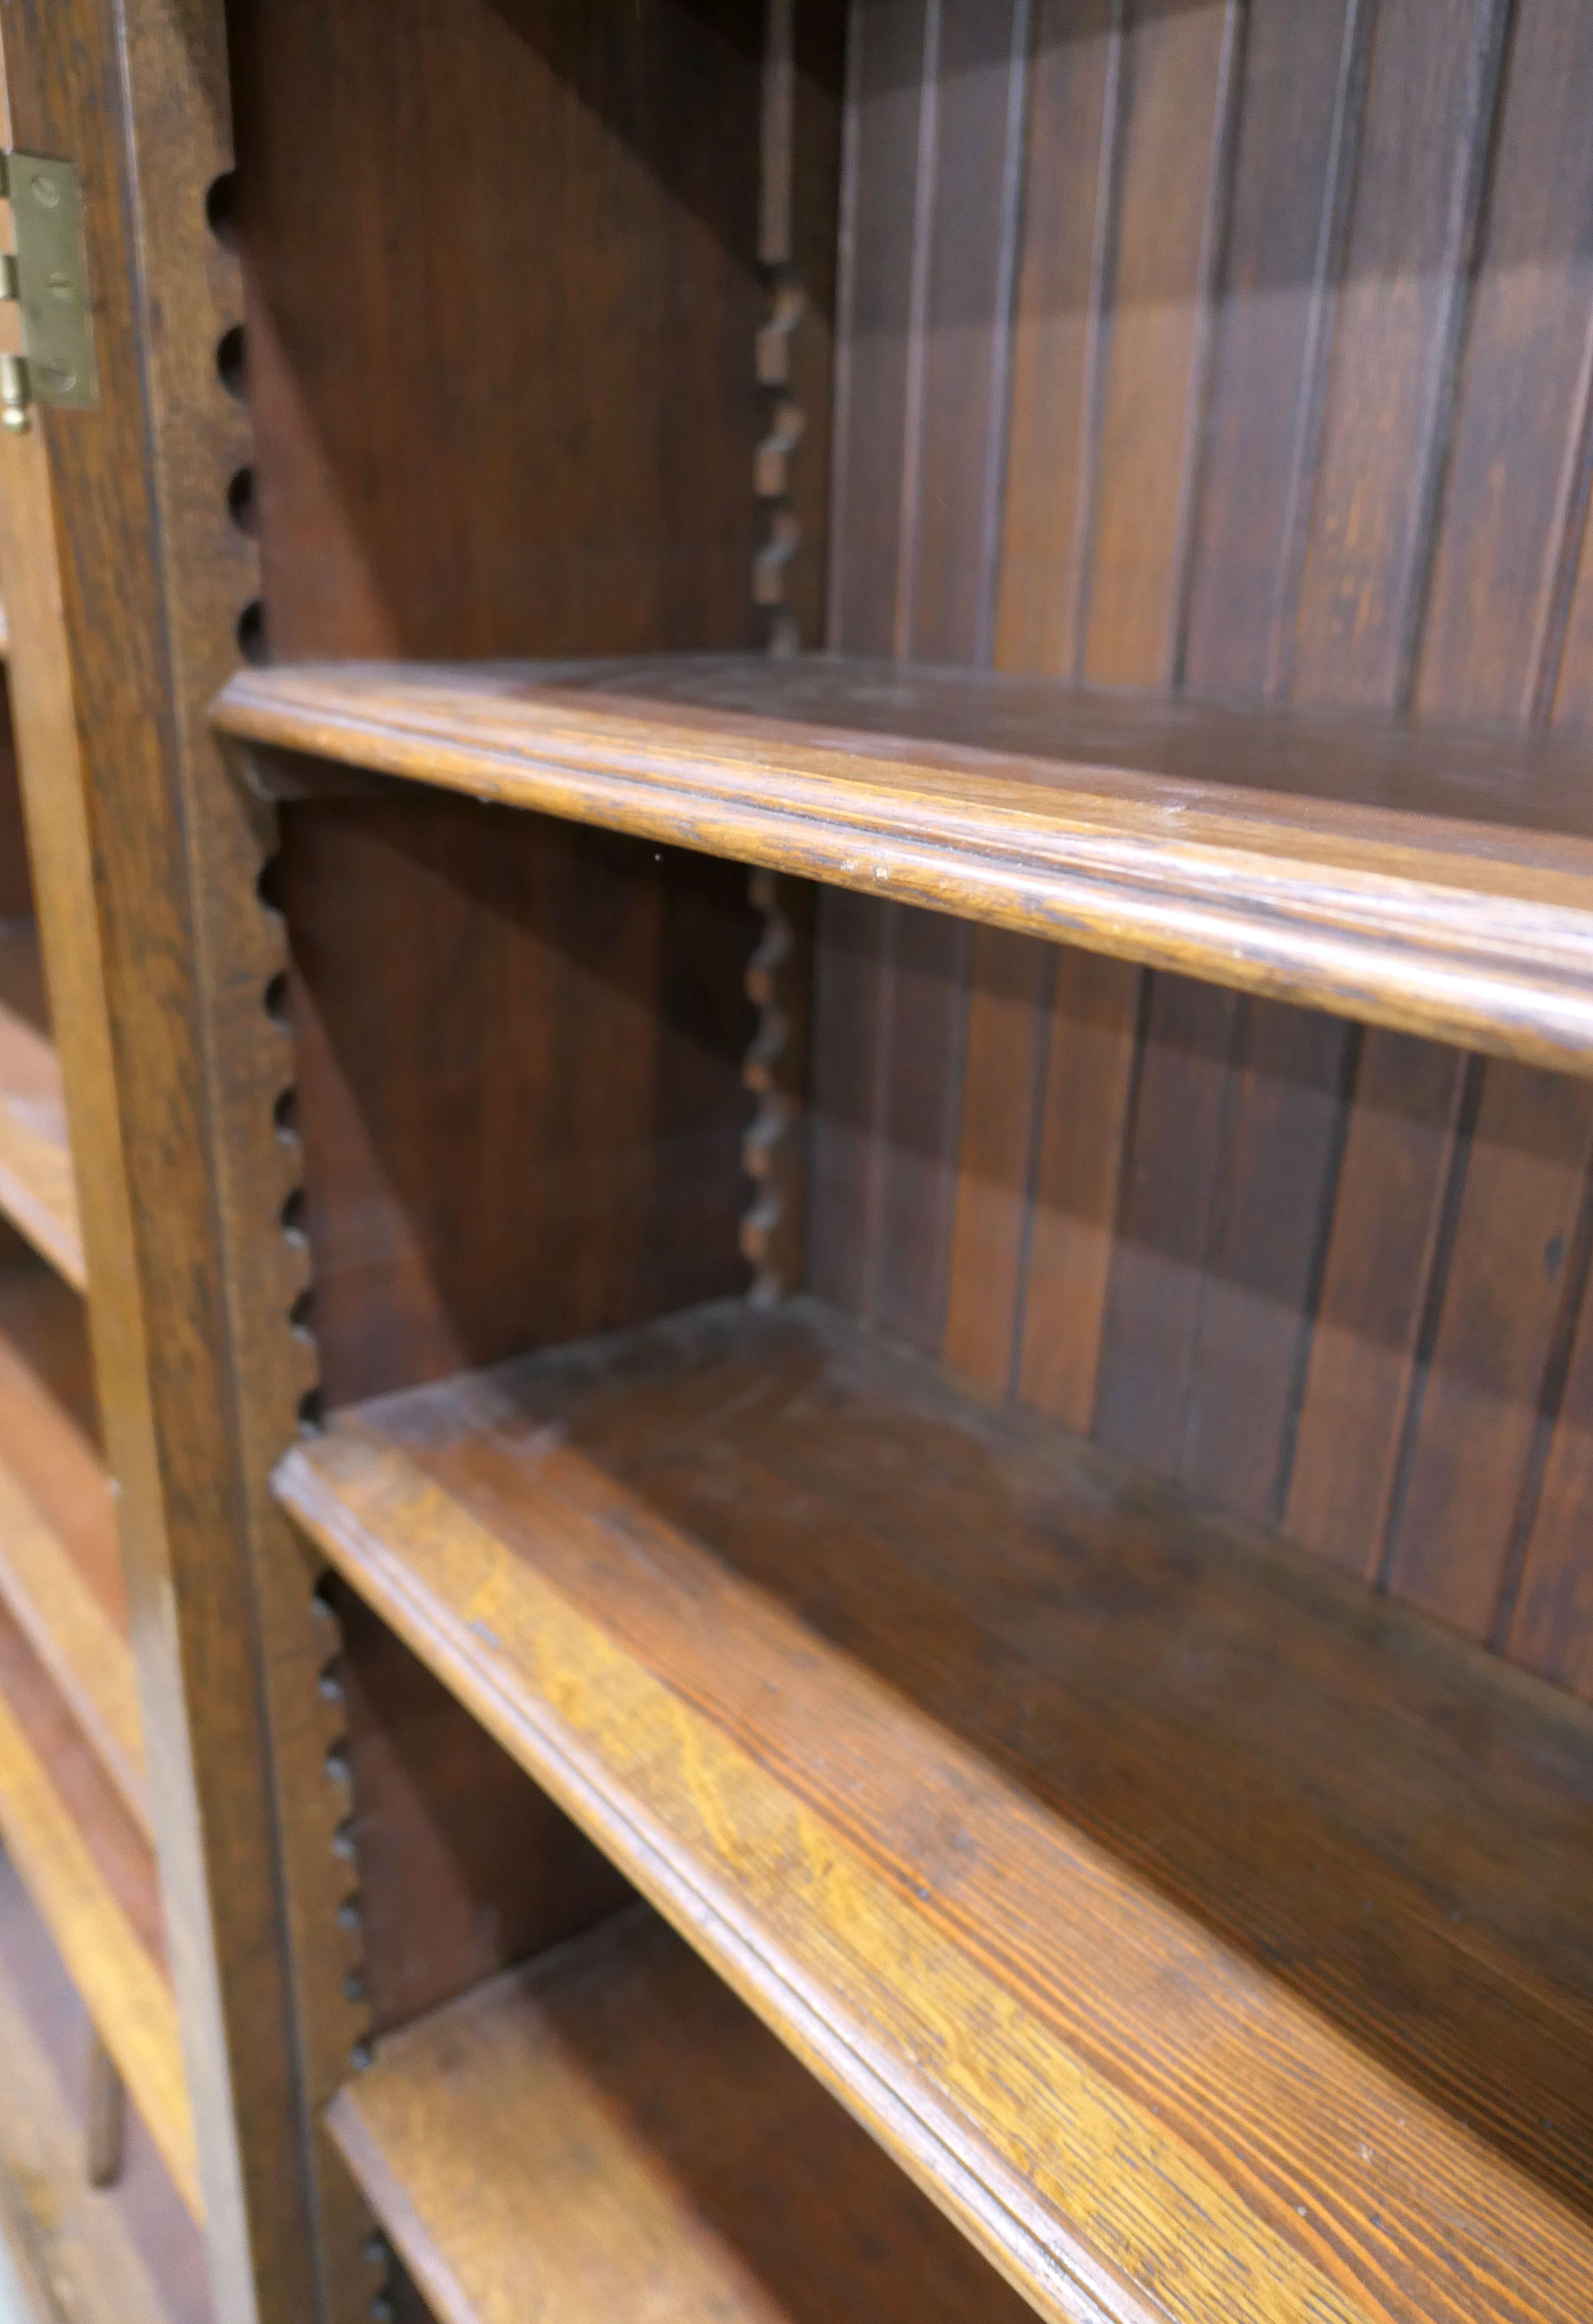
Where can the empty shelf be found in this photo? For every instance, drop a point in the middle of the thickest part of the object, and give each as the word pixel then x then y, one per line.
pixel 125 2255
pixel 1438 878
pixel 58 1572
pixel 610 2134
pixel 91 1876
pixel 1203 1932
pixel 38 1193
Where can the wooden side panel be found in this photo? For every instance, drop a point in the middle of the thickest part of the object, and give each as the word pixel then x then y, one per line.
pixel 527 1127
pixel 462 449
pixel 1299 378
pixel 463 1865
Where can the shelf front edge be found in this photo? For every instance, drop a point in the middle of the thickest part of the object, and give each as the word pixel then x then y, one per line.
pixel 1347 925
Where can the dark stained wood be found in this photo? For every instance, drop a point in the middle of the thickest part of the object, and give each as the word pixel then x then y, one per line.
pixel 607 415
pixel 518 409
pixel 1383 491
pixel 1089 1086
pixel 1386 1216
pixel 1010 978
pixel 1510 503
pixel 923 1009
pixel 1504 1290
pixel 879 318
pixel 804 74
pixel 917 1717
pixel 1269 335
pixel 1178 68
pixel 1422 127
pixel 651 2153
pixel 114 640
pixel 1551 1620
pixel 1076 77
pixel 530 1124
pixel 955 486
pixel 463 1865
pixel 847 1035
pixel 1257 1284
pixel 1176 1144
pixel 1435 878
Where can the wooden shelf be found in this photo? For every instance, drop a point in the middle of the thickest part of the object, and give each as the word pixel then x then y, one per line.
pixel 1210 1937
pixel 91 1876
pixel 1437 879
pixel 60 1561
pixel 123 2254
pixel 608 2133
pixel 37 1190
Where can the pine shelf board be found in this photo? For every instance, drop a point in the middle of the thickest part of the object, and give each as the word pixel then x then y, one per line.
pixel 1437 879
pixel 58 1541
pixel 1211 1939
pixel 90 1875
pixel 610 2132
pixel 38 1192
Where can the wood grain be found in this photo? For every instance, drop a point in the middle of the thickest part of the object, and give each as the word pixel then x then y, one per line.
pixel 1507 1278
pixel 1436 880
pixel 38 1193
pixel 983 1733
pixel 529 1126
pixel 1089 1087
pixel 461 1866
pixel 89 1659
pixel 1010 979
pixel 1074 78
pixel 1392 1182
pixel 653 2154
pixel 1365 469
pixel 607 412
pixel 131 2256
pixel 125 577
pixel 92 1879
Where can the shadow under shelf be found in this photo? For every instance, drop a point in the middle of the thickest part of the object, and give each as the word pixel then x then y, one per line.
pixel 1435 878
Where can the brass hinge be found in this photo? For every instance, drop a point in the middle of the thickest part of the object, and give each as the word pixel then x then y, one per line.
pixel 47 276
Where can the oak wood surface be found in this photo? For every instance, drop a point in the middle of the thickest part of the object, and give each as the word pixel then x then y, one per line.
pixel 528 1125
pixel 459 1864
pixel 61 1573
pixel 1351 469
pixel 608 2132
pixel 1201 1930
pixel 1437 880
pixel 38 1192
pixel 590 366
pixel 126 2255
pixel 91 1876
pixel 123 562
pixel 87 1657
pixel 53 1443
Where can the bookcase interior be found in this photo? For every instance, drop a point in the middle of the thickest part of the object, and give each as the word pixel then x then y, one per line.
pixel 1226 1344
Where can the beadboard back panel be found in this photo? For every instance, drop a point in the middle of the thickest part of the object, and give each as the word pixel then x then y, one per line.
pixel 1243 351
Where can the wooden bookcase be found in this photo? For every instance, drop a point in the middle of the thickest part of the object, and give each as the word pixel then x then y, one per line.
pixel 838 769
